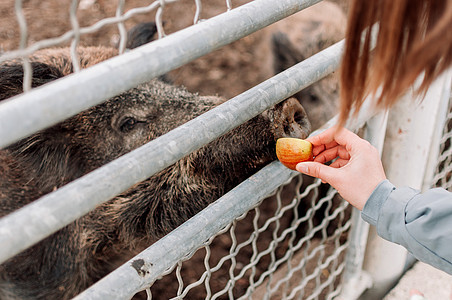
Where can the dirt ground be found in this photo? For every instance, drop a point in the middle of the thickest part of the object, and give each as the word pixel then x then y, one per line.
pixel 209 75
pixel 226 72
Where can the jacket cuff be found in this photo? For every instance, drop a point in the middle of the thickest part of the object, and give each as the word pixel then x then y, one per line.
pixel 376 200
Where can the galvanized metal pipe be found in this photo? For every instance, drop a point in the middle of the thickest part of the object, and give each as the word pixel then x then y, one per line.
pixel 354 280
pixel 125 281
pixel 48 105
pixel 25 227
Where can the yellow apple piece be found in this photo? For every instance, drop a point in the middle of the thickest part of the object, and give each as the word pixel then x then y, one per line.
pixel 291 151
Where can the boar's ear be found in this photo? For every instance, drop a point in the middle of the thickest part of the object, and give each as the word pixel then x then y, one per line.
pixel 141 34
pixel 50 153
pixel 285 54
pixel 11 77
pixel 47 149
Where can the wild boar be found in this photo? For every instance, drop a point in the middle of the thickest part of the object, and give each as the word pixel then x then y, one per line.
pixel 81 253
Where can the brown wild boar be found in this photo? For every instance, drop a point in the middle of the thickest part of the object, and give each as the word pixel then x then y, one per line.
pixel 81 253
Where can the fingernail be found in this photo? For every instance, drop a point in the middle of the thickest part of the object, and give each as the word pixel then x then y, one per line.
pixel 302 168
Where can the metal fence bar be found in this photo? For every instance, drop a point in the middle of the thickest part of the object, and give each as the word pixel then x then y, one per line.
pixel 121 27
pixel 23 43
pixel 76 40
pixel 23 228
pixel 42 107
pixel 125 281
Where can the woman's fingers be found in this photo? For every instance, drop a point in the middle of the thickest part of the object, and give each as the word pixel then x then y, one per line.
pixel 320 148
pixel 356 168
pixel 339 163
pixel 332 153
pixel 323 138
pixel 334 136
pixel 325 173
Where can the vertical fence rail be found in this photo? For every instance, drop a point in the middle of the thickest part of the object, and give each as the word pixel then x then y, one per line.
pixel 23 43
pixel 355 279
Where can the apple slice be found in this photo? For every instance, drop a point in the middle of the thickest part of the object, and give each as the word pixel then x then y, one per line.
pixel 291 151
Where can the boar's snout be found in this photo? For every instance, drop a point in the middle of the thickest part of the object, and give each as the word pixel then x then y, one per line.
pixel 290 120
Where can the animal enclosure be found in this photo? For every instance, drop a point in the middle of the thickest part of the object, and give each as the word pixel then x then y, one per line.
pixel 276 235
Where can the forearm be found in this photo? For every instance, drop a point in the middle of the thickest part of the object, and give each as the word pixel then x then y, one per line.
pixel 422 223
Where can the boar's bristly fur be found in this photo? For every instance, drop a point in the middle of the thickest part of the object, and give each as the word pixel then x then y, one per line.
pixel 81 253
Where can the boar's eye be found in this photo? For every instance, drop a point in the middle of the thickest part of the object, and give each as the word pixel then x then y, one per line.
pixel 127 124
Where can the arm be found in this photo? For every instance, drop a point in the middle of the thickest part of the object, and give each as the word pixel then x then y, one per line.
pixel 422 223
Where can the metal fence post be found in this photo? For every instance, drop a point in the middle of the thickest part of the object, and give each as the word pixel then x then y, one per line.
pixel 410 136
pixel 355 280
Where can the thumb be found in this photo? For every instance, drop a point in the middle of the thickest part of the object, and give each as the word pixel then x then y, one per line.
pixel 315 169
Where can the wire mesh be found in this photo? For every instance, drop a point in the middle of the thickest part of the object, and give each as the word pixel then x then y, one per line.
pixel 443 174
pixel 23 44
pixel 291 246
pixel 73 35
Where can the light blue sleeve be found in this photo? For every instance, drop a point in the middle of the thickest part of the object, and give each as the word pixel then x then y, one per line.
pixel 421 222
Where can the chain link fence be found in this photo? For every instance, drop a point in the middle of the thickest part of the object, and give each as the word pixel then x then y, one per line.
pixel 290 246
pixel 443 175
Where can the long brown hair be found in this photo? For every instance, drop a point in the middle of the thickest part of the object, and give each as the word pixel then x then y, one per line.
pixel 414 38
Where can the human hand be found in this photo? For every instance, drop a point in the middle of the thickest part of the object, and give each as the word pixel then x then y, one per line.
pixel 354 174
